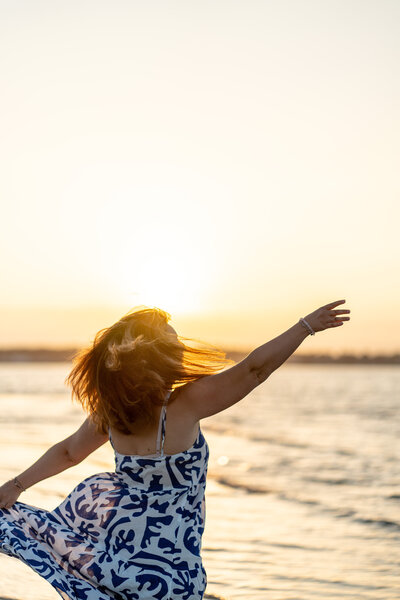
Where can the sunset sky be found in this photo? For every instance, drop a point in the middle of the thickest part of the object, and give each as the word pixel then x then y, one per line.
pixel 235 163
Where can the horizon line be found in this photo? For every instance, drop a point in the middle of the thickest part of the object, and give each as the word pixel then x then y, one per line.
pixel 65 354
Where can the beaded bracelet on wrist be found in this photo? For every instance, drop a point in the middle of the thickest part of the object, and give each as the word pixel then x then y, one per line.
pixel 307 326
pixel 18 484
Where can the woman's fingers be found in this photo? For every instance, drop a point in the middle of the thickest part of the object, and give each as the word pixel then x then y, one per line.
pixel 333 304
pixel 340 319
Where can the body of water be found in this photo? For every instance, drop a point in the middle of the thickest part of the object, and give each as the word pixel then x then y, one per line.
pixel 303 489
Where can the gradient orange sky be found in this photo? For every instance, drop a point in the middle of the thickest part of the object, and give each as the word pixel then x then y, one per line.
pixel 234 163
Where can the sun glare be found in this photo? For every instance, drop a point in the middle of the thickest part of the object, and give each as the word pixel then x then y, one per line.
pixel 161 279
pixel 149 259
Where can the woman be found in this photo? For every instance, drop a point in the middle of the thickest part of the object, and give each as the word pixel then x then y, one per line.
pixel 135 533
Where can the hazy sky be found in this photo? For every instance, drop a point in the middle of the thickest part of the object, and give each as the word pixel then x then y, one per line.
pixel 235 163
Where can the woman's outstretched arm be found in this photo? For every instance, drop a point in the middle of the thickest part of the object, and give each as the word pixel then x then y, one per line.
pixel 215 393
pixel 265 359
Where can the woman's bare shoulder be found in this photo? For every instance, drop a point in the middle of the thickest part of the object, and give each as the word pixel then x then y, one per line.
pixel 180 402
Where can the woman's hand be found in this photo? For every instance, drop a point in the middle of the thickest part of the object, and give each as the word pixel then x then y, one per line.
pixel 9 494
pixel 325 317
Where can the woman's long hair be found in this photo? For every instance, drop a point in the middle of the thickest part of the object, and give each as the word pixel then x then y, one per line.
pixel 127 371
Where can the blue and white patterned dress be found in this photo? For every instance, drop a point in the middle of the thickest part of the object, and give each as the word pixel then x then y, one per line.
pixel 132 534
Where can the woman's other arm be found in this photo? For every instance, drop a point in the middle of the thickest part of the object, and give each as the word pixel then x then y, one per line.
pixel 53 461
pixel 63 455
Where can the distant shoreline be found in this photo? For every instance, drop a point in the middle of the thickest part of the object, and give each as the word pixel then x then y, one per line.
pixel 341 359
pixel 23 355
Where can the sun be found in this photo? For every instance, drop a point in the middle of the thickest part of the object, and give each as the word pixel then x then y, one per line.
pixel 164 279
pixel 155 253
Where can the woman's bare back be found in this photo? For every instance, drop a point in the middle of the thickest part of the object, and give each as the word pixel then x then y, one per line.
pixel 181 430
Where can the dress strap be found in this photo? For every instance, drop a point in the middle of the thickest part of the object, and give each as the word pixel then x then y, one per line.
pixel 109 437
pixel 161 426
